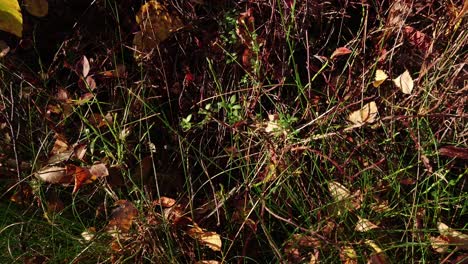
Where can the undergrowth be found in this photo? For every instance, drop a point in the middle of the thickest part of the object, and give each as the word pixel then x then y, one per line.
pixel 242 117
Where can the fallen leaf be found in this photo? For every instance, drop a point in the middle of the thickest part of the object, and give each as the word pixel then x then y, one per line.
pixel 99 170
pixel 165 202
pixel 404 82
pixel 364 225
pixel 37 8
pixel 89 234
pixel 53 174
pixel 380 77
pixel 453 236
pixel 156 25
pixel 84 64
pixel 80 174
pixel 79 151
pixel 340 52
pixel 12 20
pixel 90 83
pixel 367 114
pixel 122 217
pixel 439 244
pixel 207 238
pixel 338 191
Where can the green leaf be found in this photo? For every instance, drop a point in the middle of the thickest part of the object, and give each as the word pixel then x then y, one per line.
pixel 11 19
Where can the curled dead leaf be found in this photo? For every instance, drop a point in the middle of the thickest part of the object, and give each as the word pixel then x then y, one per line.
pixel 340 52
pixel 207 238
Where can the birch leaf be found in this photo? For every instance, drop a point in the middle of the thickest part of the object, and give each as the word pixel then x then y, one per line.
pixel 380 77
pixel 367 114
pixel 404 82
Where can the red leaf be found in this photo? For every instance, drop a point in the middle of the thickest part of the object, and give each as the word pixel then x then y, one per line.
pixel 340 52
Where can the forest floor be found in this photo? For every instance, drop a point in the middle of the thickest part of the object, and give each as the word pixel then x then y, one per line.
pixel 272 131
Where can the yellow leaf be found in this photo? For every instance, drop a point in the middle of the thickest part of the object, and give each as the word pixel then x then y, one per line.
pixel 380 77
pixel 404 82
pixel 367 114
pixel 37 8
pixel 156 25
pixel 11 19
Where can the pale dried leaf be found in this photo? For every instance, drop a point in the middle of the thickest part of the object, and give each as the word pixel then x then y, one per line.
pixel 364 225
pixel 338 191
pixel 53 174
pixel 207 238
pixel 85 66
pixel 380 77
pixel 404 82
pixel 439 244
pixel 367 114
pixel 89 234
pixel 99 170
pixel 453 236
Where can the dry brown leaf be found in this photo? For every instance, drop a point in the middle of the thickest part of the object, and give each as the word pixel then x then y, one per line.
pixel 156 25
pixel 122 217
pixel 340 52
pixel 380 77
pixel 37 8
pixel 367 114
pixel 165 202
pixel 404 82
pixel 338 191
pixel 207 238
